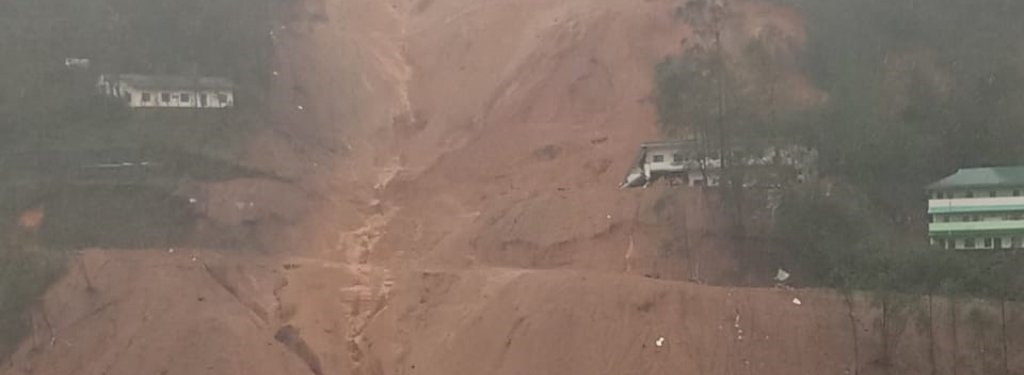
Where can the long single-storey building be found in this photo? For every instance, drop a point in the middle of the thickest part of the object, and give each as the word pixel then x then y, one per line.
pixel 978 208
pixel 143 91
pixel 684 161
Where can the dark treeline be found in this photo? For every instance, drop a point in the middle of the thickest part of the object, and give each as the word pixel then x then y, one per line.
pixel 914 90
pixel 917 89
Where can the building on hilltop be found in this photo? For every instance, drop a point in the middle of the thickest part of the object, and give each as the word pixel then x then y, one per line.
pixel 683 162
pixel 143 91
pixel 978 208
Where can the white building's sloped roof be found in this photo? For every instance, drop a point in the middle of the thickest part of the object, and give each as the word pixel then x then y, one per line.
pixel 1009 176
pixel 148 82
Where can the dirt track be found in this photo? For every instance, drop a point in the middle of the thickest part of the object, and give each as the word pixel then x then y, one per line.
pixel 469 152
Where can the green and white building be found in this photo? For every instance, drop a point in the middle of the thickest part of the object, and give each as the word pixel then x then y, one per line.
pixel 978 208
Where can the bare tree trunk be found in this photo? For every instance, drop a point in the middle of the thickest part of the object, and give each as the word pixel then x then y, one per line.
pixel 853 331
pixel 956 345
pixel 886 357
pixel 931 336
pixel 1006 346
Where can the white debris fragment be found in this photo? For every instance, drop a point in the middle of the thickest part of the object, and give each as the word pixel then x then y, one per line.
pixel 796 301
pixel 192 200
pixel 171 250
pixel 299 107
pixel 781 275
pixel 194 258
pixel 659 342
pixel 275 73
pixel 609 217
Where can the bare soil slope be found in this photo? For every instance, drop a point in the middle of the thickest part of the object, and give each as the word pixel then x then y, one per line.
pixel 465 155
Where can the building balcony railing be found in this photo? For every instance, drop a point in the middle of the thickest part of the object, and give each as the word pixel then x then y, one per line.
pixel 970 227
pixel 970 205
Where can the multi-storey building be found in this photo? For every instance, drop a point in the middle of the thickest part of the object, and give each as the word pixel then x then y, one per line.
pixel 978 208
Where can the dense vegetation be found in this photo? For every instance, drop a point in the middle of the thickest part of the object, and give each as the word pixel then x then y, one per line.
pixel 915 90
pixel 918 89
pixel 838 239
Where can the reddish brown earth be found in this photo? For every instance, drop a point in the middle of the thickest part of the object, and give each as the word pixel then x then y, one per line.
pixel 458 213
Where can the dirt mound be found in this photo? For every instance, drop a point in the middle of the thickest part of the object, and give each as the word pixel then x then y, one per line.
pixel 153 312
pixel 187 312
pixel 516 321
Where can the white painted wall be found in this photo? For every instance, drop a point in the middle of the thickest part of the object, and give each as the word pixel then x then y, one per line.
pixel 214 99
pixel 1005 200
pixel 1007 242
pixel 979 193
pixel 684 162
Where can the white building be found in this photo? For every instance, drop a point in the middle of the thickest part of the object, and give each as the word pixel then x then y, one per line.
pixel 683 161
pixel 978 208
pixel 76 63
pixel 142 91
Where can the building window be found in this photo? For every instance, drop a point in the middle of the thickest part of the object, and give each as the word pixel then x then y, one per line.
pixel 146 97
pixel 988 243
pixel 202 100
pixel 931 218
pixel 185 98
pixel 991 194
pixel 969 243
pixel 658 158
pixel 677 158
pixel 1016 193
pixel 165 97
pixel 128 97
pixel 945 219
pixel 222 98
pixel 969 194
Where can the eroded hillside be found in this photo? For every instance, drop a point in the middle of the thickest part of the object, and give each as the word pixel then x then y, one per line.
pixel 466 156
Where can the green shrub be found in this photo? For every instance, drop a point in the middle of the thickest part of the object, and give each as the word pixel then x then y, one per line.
pixel 835 238
pixel 25 275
